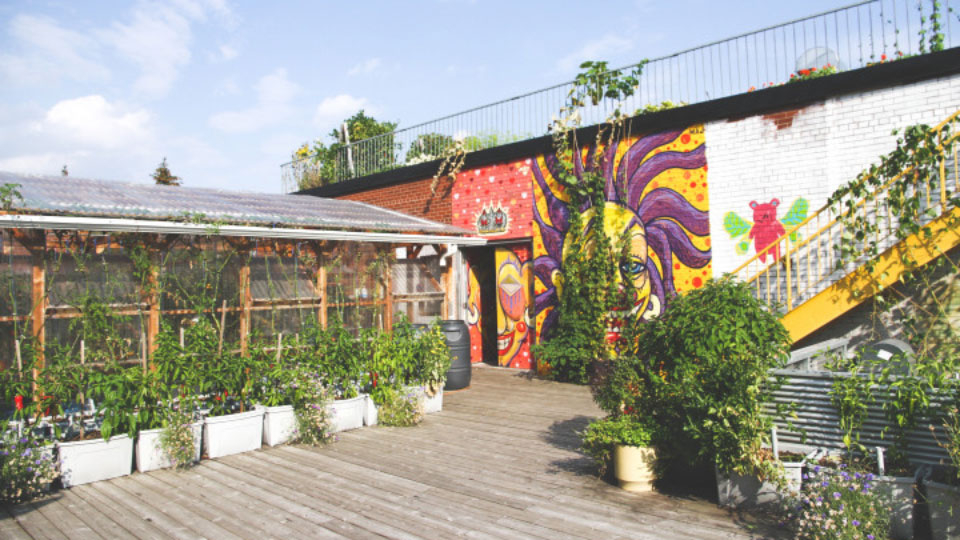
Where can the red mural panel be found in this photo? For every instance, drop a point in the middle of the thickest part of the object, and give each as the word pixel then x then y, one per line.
pixel 496 201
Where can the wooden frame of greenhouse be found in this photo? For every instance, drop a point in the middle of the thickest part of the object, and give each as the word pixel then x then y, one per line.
pixel 259 264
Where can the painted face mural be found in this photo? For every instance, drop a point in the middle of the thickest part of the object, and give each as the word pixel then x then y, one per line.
pixel 474 318
pixel 656 197
pixel 513 307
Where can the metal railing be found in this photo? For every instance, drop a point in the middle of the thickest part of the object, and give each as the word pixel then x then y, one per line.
pixel 847 38
pixel 807 256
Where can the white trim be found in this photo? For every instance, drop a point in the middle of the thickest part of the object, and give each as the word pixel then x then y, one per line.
pixel 24 221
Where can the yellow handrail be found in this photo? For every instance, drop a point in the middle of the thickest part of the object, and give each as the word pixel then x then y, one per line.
pixel 819 243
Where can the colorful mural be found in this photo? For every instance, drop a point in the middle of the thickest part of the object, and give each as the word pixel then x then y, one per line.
pixel 495 201
pixel 766 228
pixel 474 312
pixel 656 195
pixel 514 313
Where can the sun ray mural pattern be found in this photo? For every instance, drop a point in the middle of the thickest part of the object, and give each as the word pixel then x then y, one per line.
pixel 656 196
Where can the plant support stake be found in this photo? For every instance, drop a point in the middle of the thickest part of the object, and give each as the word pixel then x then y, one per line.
pixel 223 323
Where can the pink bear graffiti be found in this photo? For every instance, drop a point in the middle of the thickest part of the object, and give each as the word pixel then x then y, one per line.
pixel 766 228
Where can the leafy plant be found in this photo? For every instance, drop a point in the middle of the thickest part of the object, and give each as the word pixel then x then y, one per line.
pixel 701 372
pixel 26 467
pixel 602 435
pixel 333 162
pixel 310 405
pixel 9 194
pixel 399 408
pixel 163 177
pixel 852 395
pixel 813 73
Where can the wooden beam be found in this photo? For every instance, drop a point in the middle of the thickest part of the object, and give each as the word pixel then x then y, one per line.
pixel 388 298
pixel 246 301
pixel 39 298
pixel 152 297
pixel 322 291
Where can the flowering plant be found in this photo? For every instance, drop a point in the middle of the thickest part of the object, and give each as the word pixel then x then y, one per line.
pixel 310 406
pixel 838 504
pixel 813 73
pixel 400 407
pixel 26 469
pixel 176 439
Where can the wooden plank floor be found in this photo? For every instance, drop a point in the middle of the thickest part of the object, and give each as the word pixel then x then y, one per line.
pixel 500 461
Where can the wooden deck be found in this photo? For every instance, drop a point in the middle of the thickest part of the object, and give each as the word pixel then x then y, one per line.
pixel 500 461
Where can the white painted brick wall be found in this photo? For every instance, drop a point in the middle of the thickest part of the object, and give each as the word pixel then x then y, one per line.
pixel 827 145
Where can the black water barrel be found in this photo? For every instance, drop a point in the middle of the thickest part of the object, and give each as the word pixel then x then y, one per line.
pixel 458 339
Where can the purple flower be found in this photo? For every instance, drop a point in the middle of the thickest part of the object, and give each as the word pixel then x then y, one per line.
pixel 806 476
pixel 870 537
pixel 836 494
pixel 824 483
pixel 856 523
pixel 816 468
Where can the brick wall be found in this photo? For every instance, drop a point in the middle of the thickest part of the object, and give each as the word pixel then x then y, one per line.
pixel 809 152
pixel 414 198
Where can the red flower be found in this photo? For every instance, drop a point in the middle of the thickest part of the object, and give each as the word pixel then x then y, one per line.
pixel 883 57
pixel 18 401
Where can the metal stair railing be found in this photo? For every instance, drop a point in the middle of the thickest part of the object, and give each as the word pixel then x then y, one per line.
pixel 807 257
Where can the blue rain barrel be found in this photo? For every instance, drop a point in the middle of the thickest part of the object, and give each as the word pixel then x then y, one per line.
pixel 458 339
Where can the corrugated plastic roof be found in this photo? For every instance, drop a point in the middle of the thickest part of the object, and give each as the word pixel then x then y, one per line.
pixel 71 196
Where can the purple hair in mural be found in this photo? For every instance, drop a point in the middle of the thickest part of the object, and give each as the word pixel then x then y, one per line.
pixel 661 216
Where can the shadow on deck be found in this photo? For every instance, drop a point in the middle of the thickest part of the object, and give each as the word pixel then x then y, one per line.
pixel 500 461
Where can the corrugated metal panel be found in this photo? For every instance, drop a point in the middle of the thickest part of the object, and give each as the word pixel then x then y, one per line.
pixel 817 416
pixel 60 195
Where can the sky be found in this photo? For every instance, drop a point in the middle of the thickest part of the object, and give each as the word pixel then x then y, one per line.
pixel 227 90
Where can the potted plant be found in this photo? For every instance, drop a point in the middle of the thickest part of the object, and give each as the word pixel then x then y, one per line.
pixel 274 391
pixel 432 362
pixel 943 491
pixel 234 424
pixel 170 434
pixel 700 373
pixel 344 364
pixel 625 441
pixel 27 466
pixel 95 449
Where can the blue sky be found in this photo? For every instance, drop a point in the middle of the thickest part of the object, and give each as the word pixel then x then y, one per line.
pixel 227 90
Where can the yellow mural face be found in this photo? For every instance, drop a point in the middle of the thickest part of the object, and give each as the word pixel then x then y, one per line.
pixel 513 309
pixel 656 197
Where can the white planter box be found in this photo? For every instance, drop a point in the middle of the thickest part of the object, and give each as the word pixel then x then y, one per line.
pixel 748 491
pixel 897 492
pixel 83 462
pixel 370 412
pixel 233 433
pixel 943 501
pixel 434 403
pixel 279 425
pixel 150 455
pixel 346 414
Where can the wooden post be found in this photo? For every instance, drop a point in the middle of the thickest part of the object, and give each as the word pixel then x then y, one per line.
pixel 16 347
pixel 39 297
pixel 246 300
pixel 153 300
pixel 223 324
pixel 322 291
pixel 388 298
pixel 279 344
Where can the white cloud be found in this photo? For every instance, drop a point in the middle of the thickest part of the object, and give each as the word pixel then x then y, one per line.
pixel 274 94
pixel 599 49
pixel 228 52
pixel 93 121
pixel 334 109
pixel 365 68
pixel 47 52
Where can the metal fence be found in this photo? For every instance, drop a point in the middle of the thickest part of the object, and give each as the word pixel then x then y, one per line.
pixel 847 38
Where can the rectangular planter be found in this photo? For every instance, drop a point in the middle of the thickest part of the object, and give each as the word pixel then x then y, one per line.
pixel 150 455
pixel 748 491
pixel 943 502
pixel 370 412
pixel 279 425
pixel 82 462
pixel 346 414
pixel 232 433
pixel 897 493
pixel 434 403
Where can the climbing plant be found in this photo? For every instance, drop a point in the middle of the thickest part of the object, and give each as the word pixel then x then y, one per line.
pixel 587 288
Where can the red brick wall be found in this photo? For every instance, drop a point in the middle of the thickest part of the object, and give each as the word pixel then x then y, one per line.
pixel 414 198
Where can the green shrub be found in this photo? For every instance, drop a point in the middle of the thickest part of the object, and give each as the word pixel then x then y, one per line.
pixel 700 373
pixel 400 408
pixel 602 435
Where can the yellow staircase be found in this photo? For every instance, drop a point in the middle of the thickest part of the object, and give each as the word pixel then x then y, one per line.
pixel 808 282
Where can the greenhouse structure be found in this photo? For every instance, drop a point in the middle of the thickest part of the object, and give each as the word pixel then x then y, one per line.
pixel 136 258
